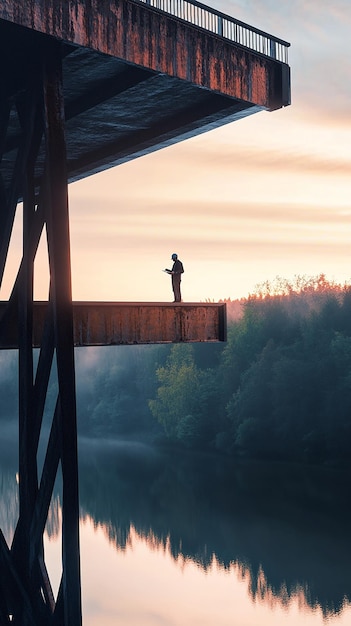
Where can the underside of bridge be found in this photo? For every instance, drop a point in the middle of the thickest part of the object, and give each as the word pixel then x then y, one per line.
pixel 134 79
pixel 86 85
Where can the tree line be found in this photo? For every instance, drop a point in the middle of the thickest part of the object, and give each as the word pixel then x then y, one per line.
pixel 280 388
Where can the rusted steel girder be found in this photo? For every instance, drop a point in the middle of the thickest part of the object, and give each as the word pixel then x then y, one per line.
pixel 127 323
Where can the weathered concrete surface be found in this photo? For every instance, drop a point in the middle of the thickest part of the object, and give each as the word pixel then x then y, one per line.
pixel 135 79
pixel 140 35
pixel 116 323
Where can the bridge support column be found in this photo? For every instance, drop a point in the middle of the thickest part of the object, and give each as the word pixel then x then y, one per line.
pixel 57 224
pixel 26 597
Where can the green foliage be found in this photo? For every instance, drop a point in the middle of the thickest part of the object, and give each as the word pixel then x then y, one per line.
pixel 293 400
pixel 281 387
pixel 113 384
pixel 176 404
pixel 185 404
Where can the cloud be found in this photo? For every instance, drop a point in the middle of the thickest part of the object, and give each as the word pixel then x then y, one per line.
pixel 218 156
pixel 220 225
pixel 197 168
pixel 318 31
pixel 165 211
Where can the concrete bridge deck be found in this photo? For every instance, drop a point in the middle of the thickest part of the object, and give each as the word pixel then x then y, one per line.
pixel 135 77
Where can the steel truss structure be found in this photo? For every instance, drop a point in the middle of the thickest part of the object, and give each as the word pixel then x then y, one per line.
pixel 37 104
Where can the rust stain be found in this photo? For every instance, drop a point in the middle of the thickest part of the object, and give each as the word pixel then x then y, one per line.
pixel 118 323
pixel 258 82
pixel 149 39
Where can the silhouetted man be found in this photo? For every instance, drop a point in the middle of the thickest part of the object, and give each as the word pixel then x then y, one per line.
pixel 176 272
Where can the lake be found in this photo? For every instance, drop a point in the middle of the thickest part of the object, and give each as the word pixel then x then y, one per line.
pixel 181 539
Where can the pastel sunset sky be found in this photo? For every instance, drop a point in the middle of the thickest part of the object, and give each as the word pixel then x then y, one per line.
pixel 266 196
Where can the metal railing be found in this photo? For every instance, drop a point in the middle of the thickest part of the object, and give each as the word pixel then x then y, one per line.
pixel 224 26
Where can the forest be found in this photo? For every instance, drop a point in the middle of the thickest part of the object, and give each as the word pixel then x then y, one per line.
pixel 279 388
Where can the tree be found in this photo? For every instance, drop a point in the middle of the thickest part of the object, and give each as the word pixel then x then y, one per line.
pixel 176 405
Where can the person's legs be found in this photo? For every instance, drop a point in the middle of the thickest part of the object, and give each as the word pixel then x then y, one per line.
pixel 176 289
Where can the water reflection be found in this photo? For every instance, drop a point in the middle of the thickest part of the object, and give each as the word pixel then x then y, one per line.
pixel 284 529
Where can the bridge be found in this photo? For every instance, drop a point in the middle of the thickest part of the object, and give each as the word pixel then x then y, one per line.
pixel 87 85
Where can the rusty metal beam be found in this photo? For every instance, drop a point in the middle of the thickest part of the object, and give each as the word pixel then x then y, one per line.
pixel 127 323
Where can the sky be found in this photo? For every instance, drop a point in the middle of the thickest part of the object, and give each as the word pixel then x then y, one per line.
pixel 266 196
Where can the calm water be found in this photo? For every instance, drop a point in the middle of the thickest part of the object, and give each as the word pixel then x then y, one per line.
pixel 183 540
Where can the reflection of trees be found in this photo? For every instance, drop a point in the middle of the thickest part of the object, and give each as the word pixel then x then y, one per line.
pixel 9 503
pixel 285 529
pixel 9 498
pixel 53 522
